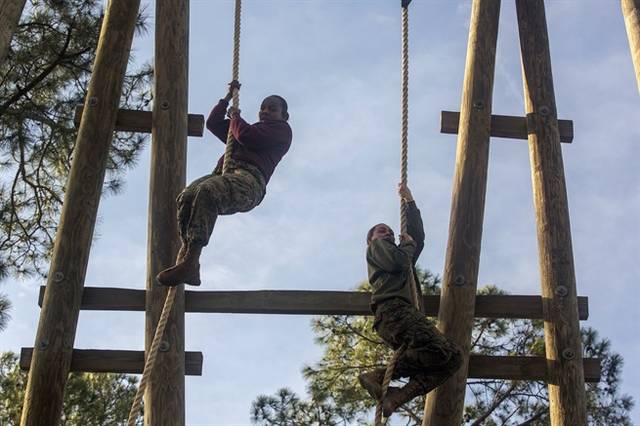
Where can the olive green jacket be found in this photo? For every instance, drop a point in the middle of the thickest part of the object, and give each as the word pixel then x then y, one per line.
pixel 389 264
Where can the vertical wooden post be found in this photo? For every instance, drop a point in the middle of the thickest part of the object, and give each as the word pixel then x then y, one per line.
pixel 61 306
pixel 562 329
pixel 164 396
pixel 10 12
pixel 444 405
pixel 631 13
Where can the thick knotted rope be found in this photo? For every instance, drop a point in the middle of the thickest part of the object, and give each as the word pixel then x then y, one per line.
pixel 171 294
pixel 404 139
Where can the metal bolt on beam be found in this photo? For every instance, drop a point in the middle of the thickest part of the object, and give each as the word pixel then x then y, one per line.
pixel 561 291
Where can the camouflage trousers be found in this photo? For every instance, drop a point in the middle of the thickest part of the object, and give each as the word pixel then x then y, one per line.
pixel 430 358
pixel 239 190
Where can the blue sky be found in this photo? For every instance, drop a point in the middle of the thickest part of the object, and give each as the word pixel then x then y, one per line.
pixel 338 64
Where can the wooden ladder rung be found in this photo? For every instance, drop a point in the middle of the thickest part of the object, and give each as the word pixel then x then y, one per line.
pixel 109 361
pixel 504 126
pixel 129 120
pixel 302 302
pixel 480 366
pixel 523 368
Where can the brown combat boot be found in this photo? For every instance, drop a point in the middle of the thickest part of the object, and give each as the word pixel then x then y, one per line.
pixel 372 382
pixel 186 269
pixel 396 398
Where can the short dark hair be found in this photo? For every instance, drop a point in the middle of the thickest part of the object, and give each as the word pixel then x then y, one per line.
pixel 283 102
pixel 373 228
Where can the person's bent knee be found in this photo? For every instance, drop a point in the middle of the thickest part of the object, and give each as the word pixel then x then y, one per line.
pixel 185 197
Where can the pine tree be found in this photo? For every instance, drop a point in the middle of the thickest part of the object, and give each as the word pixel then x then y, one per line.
pixel 43 79
pixel 90 399
pixel 5 305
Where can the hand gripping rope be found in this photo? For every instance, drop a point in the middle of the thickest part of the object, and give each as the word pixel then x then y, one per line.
pixel 171 293
pixel 403 179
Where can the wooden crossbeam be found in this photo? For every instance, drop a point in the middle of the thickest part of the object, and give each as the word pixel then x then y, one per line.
pixel 480 366
pixel 522 368
pixel 301 302
pixel 129 120
pixel 504 126
pixel 108 361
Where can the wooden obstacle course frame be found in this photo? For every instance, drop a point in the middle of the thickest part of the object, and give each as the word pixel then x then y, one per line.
pixel 58 321
pixel 129 120
pixel 480 366
pixel 306 302
pixel 114 361
pixel 164 394
pixel 475 118
pixel 504 126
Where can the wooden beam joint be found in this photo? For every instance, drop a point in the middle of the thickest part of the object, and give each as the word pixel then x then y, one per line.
pixel 505 126
pixel 523 368
pixel 300 302
pixel 110 361
pixel 480 366
pixel 129 120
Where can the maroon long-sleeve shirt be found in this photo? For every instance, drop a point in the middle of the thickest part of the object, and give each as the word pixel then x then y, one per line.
pixel 262 144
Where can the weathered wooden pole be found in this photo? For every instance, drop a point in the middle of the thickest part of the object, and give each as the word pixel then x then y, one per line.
pixel 631 13
pixel 444 405
pixel 59 315
pixel 164 396
pixel 10 12
pixel 562 329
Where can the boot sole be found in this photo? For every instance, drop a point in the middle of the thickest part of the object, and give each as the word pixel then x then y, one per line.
pixel 374 390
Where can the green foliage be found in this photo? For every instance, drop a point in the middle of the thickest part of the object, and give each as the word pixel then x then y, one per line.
pixel 5 305
pixel 352 347
pixel 285 409
pixel 90 399
pixel 44 78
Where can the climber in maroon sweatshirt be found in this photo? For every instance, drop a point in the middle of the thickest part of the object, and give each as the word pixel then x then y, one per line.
pixel 258 149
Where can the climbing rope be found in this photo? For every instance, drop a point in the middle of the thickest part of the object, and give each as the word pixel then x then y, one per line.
pixel 171 294
pixel 153 353
pixel 235 72
pixel 388 375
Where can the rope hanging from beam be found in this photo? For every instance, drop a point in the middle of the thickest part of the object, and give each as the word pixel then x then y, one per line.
pixel 153 353
pixel 404 144
pixel 171 293
pixel 235 76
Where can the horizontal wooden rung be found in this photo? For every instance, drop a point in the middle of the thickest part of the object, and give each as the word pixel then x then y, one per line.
pixel 480 366
pixel 129 120
pixel 302 302
pixel 107 361
pixel 504 126
pixel 523 368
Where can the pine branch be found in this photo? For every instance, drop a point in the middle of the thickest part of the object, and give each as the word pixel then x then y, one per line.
pixel 496 403
pixel 40 77
pixel 534 418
